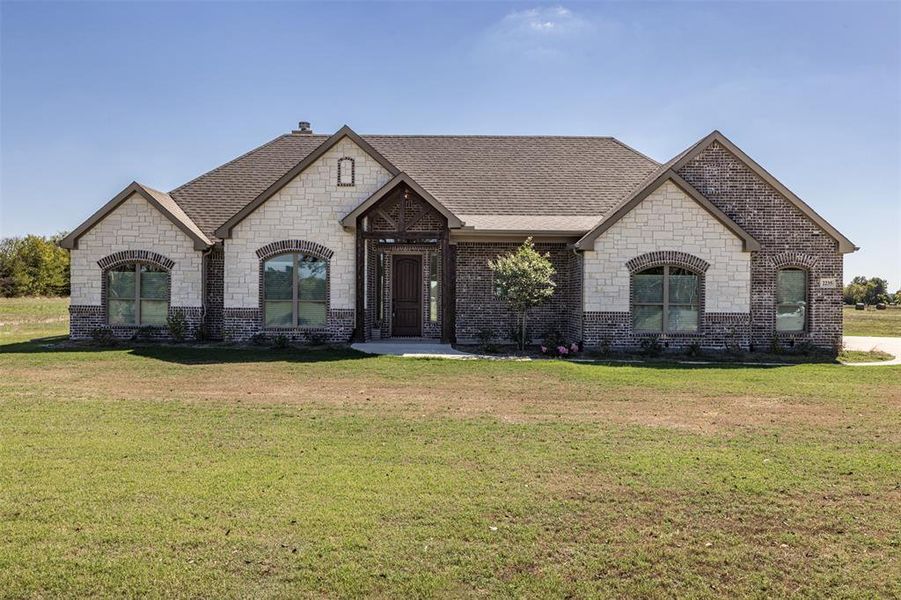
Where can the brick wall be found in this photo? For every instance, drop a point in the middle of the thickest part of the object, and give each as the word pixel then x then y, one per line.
pixel 215 288
pixel 787 238
pixel 479 308
pixel 242 324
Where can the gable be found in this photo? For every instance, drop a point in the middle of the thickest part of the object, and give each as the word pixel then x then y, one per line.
pixel 716 140
pixel 670 179
pixel 308 161
pixel 161 201
pixel 402 179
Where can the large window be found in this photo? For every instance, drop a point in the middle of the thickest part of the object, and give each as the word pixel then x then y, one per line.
pixel 791 299
pixel 294 291
pixel 666 300
pixel 137 294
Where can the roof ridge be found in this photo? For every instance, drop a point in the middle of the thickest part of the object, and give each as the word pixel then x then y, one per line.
pixel 234 160
pixel 638 152
pixel 484 136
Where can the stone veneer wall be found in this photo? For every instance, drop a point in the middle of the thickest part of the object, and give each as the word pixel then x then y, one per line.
pixel 134 229
pixel 667 227
pixel 309 208
pixel 479 308
pixel 787 238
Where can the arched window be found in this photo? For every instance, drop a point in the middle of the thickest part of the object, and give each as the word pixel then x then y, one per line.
pixel 137 294
pixel 791 299
pixel 294 291
pixel 666 299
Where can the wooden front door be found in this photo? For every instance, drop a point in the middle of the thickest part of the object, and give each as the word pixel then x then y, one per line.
pixel 406 299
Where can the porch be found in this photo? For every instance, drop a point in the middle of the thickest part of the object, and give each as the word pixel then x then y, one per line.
pixel 405 266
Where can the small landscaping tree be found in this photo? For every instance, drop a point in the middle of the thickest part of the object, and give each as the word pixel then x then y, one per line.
pixel 523 280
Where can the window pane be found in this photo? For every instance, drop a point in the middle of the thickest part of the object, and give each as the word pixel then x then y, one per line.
pixel 122 282
pixel 433 287
pixel 154 283
pixel 121 312
pixel 683 318
pixel 790 317
pixel 154 312
pixel 791 286
pixel 648 318
pixel 311 313
pixel 279 314
pixel 683 289
pixel 649 287
pixel 277 274
pixel 312 278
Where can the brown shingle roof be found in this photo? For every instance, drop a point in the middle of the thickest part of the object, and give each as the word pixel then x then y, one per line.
pixel 473 175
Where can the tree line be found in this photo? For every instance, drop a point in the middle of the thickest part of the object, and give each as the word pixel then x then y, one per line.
pixel 33 265
pixel 870 291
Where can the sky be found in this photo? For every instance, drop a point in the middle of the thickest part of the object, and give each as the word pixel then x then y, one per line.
pixel 95 95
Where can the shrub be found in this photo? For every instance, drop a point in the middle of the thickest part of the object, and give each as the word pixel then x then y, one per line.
pixel 317 338
pixel 280 342
pixel 143 334
pixel 775 345
pixel 486 340
pixel 694 350
pixel 202 333
pixel 651 347
pixel 102 336
pixel 259 339
pixel 604 347
pixel 178 325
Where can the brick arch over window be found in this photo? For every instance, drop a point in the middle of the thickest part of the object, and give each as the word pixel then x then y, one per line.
pixel 301 246
pixel 117 259
pixel 126 256
pixel 793 259
pixel 672 258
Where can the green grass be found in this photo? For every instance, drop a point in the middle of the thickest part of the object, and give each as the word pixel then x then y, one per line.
pixel 882 323
pixel 215 472
pixel 850 356
pixel 24 318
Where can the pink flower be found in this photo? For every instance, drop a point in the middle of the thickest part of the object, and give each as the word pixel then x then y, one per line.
pixel 544 349
pixel 574 348
pixel 562 350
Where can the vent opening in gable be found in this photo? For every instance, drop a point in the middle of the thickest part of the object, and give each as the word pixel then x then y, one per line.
pixel 346 175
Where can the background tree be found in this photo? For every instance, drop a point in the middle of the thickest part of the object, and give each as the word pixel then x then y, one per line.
pixel 33 266
pixel 869 291
pixel 524 280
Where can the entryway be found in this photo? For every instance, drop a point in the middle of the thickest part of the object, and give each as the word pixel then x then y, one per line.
pixel 406 296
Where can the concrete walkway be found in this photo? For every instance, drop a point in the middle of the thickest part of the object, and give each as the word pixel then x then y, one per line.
pixel 892 345
pixel 411 348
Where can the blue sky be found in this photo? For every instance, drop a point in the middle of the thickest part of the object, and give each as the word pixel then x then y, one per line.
pixel 95 95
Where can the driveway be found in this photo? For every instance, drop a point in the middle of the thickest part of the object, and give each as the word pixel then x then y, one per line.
pixel 892 345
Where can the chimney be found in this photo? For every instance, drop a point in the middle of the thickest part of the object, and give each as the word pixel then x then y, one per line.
pixel 304 128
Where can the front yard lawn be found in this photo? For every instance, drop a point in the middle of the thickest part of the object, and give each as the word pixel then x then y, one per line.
pixel 261 473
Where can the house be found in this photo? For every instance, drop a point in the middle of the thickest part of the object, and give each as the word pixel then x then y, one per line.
pixel 354 236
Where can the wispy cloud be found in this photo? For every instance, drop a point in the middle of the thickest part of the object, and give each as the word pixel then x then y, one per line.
pixel 542 32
